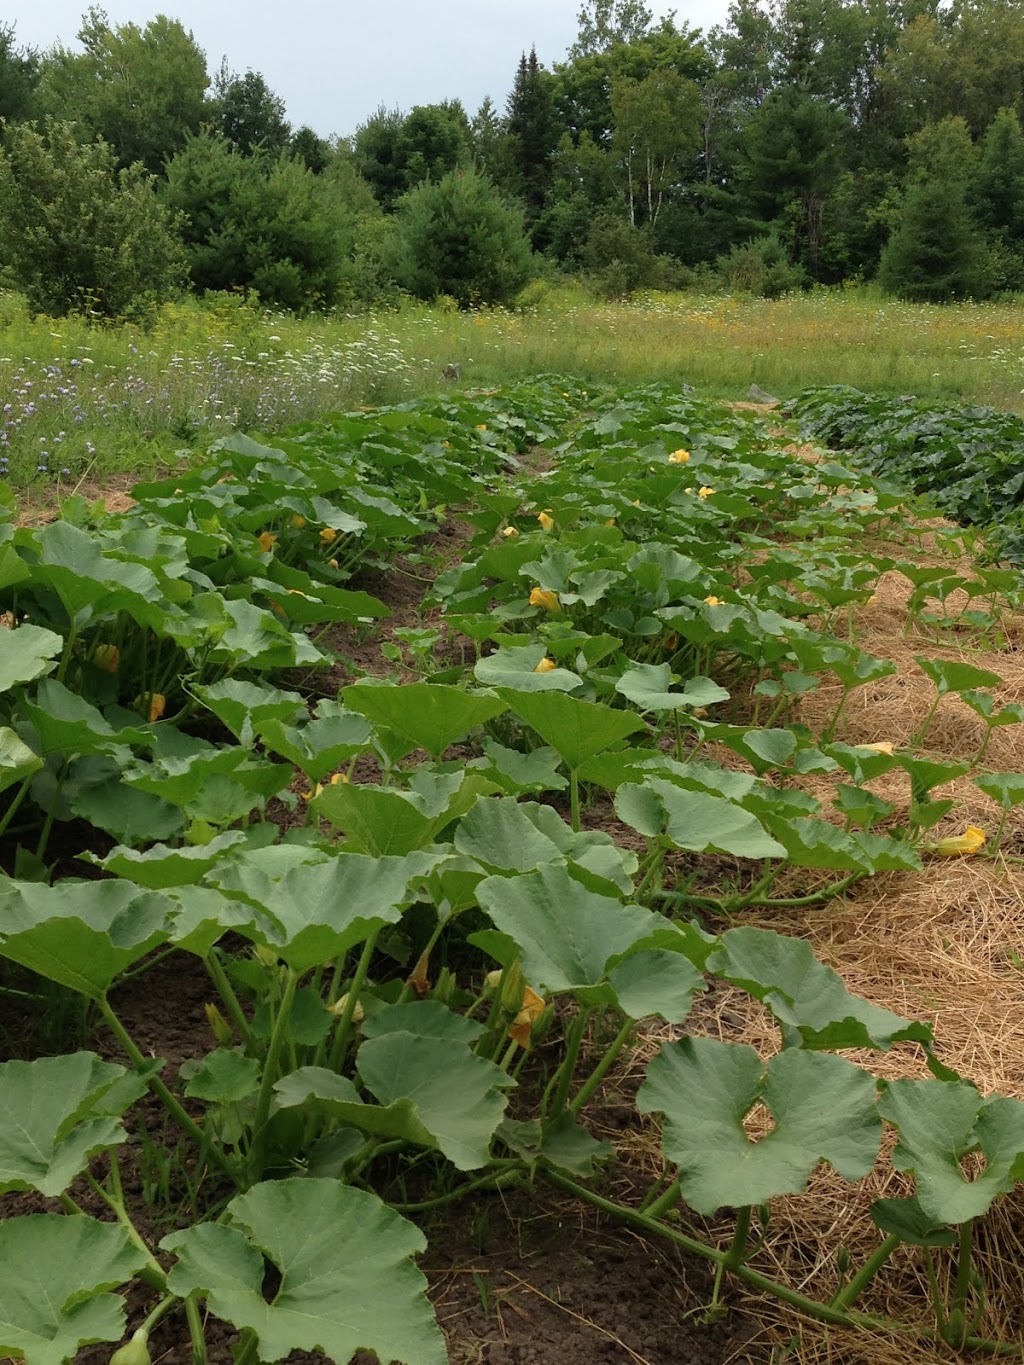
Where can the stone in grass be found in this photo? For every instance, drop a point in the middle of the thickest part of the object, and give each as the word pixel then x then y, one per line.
pixel 758 395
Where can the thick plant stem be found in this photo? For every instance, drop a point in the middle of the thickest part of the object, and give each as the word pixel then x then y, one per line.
pixel 173 1106
pixel 277 1039
pixel 341 1037
pixel 195 1330
pixel 603 1067
pixel 565 1073
pixel 856 1285
pixel 574 800
pixel 219 977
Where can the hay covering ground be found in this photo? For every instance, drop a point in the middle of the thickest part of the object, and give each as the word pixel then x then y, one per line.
pixel 939 945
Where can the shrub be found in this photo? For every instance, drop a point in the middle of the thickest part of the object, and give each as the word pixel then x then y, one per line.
pixel 76 233
pixel 762 268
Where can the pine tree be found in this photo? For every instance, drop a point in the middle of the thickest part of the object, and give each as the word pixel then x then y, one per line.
pixel 529 119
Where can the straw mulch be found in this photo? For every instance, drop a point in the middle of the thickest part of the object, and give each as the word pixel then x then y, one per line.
pixel 940 945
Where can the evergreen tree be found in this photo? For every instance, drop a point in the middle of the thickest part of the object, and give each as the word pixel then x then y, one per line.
pixel 19 76
pixel 247 112
pixel 530 125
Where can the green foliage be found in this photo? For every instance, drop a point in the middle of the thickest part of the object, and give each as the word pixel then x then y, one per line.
pixel 249 115
pixel 140 90
pixel 458 237
pixel 260 222
pixel 761 267
pixel 19 76
pixel 76 233
pixel 395 152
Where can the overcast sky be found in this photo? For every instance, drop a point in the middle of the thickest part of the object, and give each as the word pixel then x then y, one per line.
pixel 333 62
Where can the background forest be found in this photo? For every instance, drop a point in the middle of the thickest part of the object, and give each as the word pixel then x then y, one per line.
pixel 805 141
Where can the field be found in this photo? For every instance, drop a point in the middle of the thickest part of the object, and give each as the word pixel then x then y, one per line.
pixel 526 871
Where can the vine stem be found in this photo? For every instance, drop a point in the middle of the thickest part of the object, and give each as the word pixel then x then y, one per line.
pixel 854 1287
pixel 274 1049
pixel 170 1102
pixel 355 986
pixel 565 1073
pixel 603 1067
pixel 219 978
pixel 812 1308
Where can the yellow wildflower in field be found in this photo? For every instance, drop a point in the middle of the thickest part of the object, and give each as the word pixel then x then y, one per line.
pixel 679 457
pixel 545 665
pixel 960 845
pixel 509 531
pixel 327 535
pixel 547 521
pixel 266 540
pixel 107 657
pixel 704 492
pixel 542 597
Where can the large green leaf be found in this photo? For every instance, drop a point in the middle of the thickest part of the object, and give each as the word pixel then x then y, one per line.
pixel 656 981
pixel 27 653
pixel 823 1109
pixel 647 686
pixel 67 723
pixel 56 1113
pixel 323 909
pixel 54 1291
pixel 245 707
pixel 430 716
pixel 347 1278
pixel 516 667
pixel 17 760
pixel 695 820
pixel 940 1123
pixel 91 583
pixel 81 934
pixel 577 729
pixel 381 820
pixel 566 934
pixel 808 999
pixel 956 675
pixel 331 738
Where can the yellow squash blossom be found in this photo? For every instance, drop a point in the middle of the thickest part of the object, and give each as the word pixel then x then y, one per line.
pixel 338 777
pixel 635 502
pixel 541 597
pixel 266 540
pixel 509 531
pixel 679 457
pixel 532 1009
pixel 107 657
pixel 327 535
pixel 298 522
pixel 545 665
pixel 482 426
pixel 157 706
pixel 547 521
pixel 882 746
pixel 332 563
pixel 960 845
pixel 610 521
pixel 704 492
pixel 219 1026
pixel 713 601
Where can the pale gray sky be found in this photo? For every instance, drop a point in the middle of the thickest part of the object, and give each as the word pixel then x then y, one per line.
pixel 334 63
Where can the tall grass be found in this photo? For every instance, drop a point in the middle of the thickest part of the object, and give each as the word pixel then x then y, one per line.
pixel 77 399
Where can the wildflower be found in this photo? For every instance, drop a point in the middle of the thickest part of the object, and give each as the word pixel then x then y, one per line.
pixel 107 657
pixel 327 535
pixel 547 521
pixel 713 601
pixel 679 457
pixel 266 540
pixel 545 665
pixel 509 531
pixel 541 597
pixel 704 492
pixel 298 521
pixel 959 845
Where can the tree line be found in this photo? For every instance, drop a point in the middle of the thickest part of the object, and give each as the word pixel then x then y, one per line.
pixel 803 141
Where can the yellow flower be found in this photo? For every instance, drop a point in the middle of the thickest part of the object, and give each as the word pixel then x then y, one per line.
pixel 635 502
pixel 883 746
pixel 157 705
pixel 327 535
pixel 219 1026
pixel 333 563
pixel 704 492
pixel 687 490
pixel 482 426
pixel 545 666
pixel 960 845
pixel 610 521
pixel 679 457
pixel 871 600
pixel 338 1009
pixel 338 777
pixel 266 540
pixel 532 1009
pixel 713 601
pixel 541 597
pixel 107 657
pixel 509 531
pixel 546 520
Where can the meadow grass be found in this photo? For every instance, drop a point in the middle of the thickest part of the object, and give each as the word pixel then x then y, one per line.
pixel 83 400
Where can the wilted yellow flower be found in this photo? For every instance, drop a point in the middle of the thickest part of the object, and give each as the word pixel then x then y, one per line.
pixel 157 706
pixel 266 540
pixel 545 665
pixel 298 521
pixel 704 492
pixel 333 563
pixel 107 656
pixel 218 1024
pixel 960 845
pixel 713 601
pixel 509 531
pixel 532 1009
pixel 679 457
pixel 338 1009
pixel 871 600
pixel 327 535
pixel 546 520
pixel 541 597
pixel 882 746
pixel 336 778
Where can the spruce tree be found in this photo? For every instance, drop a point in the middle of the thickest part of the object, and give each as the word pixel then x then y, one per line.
pixel 529 119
